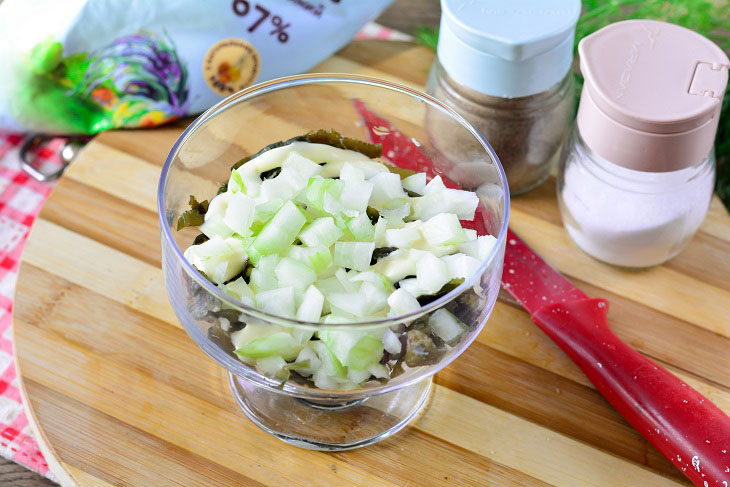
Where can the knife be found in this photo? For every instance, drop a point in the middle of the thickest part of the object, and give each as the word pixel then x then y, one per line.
pixel 683 425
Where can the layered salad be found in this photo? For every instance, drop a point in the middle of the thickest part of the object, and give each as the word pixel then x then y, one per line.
pixel 319 229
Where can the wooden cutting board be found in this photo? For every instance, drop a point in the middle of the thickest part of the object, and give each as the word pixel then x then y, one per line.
pixel 119 395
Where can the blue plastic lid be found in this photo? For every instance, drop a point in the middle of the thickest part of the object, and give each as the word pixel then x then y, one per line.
pixel 512 29
pixel 518 38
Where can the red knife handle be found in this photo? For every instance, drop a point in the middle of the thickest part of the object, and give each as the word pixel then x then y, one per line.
pixel 683 425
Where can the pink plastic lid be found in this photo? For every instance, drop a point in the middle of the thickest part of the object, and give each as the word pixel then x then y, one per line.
pixel 652 94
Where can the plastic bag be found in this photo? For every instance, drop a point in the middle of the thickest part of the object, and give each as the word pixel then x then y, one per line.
pixel 84 66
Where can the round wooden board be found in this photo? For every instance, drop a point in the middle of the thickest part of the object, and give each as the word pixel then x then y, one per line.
pixel 119 395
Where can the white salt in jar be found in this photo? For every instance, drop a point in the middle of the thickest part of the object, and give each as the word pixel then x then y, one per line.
pixel 637 176
pixel 627 217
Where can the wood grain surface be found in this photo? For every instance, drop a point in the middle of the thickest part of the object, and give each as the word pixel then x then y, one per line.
pixel 121 396
pixel 403 15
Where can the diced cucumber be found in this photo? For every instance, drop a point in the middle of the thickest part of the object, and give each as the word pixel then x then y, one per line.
pixel 219 259
pixel 240 290
pixel 261 220
pixel 368 350
pixel 321 231
pixel 412 287
pixel 356 349
pixel 218 205
pixel 366 301
pixel 284 186
pixel 379 371
pixel 318 258
pixel 350 172
pixel 386 188
pixel 446 200
pixel 329 285
pixel 374 296
pixel 240 213
pixel 443 229
pixel 361 228
pixel 462 203
pixel 311 307
pixel 309 357
pixel 304 167
pixel 431 273
pixel 446 326
pixel 397 210
pixel 479 248
pixel 322 380
pixel 331 365
pixel 345 281
pixel 354 255
pixel 356 194
pixel 369 168
pixel 434 186
pixel 235 183
pixel 257 340
pixel 391 343
pixel 215 226
pixel 249 180
pixel 317 188
pixel 403 237
pixel 399 264
pixel 263 277
pixel 415 182
pixel 461 265
pixel 401 301
pixel 379 235
pixel 279 301
pixel 294 273
pixel 357 376
pixel 265 210
pixel 333 206
pixel 375 278
pixel 349 303
pixel 280 343
pixel 281 231
pixel 271 366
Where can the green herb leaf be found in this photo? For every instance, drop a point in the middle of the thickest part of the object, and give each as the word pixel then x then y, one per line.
pixel 194 217
pixel 428 36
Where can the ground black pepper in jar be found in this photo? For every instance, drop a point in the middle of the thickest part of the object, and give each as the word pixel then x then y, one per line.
pixel 506 69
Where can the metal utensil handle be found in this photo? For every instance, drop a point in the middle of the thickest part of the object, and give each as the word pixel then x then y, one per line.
pixel 36 140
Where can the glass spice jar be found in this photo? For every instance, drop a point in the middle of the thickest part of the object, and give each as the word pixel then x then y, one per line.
pixel 631 218
pixel 505 67
pixel 638 173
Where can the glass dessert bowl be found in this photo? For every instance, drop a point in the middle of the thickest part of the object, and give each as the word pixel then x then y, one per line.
pixel 340 407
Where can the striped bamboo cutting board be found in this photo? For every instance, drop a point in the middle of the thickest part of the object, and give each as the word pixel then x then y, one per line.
pixel 120 395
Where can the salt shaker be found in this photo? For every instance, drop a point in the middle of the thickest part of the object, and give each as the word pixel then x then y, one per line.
pixel 505 67
pixel 638 172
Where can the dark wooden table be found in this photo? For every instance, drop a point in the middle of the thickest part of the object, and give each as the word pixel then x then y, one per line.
pixel 403 15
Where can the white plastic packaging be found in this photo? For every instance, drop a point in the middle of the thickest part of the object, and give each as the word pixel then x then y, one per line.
pixel 84 66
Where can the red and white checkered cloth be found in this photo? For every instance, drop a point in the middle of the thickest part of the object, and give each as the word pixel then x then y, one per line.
pixel 21 198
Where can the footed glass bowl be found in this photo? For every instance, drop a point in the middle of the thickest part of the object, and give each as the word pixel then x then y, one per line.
pixel 295 410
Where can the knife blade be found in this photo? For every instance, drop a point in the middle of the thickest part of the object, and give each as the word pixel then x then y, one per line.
pixel 531 281
pixel 683 425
